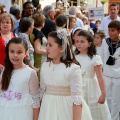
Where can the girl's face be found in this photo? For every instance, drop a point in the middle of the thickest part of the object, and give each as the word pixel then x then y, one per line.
pixel 17 53
pixel 75 35
pixel 6 25
pixel 82 44
pixel 84 21
pixel 73 23
pixel 54 51
pixel 97 40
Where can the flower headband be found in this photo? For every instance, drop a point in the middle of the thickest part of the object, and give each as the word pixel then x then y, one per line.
pixel 63 34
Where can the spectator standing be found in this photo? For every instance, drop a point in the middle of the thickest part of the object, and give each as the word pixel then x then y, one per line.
pixel 49 13
pixel 15 11
pixel 28 9
pixel 113 15
pixel 73 10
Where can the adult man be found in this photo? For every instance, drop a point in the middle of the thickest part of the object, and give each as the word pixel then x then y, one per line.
pixel 15 11
pixel 113 15
pixel 73 10
pixel 50 26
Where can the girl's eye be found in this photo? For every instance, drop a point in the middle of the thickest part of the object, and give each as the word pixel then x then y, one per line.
pixel 77 41
pixel 19 52
pixel 50 45
pixel 82 41
pixel 11 51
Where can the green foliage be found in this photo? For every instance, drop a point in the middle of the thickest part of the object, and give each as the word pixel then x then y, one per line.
pixel 103 1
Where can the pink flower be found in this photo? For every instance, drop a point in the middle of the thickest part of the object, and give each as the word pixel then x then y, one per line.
pixel 11 94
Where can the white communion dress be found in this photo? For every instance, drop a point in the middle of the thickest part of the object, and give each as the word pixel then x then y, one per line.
pixel 91 87
pixel 22 96
pixel 60 88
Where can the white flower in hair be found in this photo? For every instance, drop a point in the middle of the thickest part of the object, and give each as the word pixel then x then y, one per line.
pixel 62 34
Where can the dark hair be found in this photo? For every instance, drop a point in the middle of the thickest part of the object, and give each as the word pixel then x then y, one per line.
pixel 68 60
pixel 97 21
pixel 114 5
pixel 25 24
pixel 14 10
pixel 92 49
pixel 39 19
pixel 26 3
pixel 114 24
pixel 24 6
pixel 7 73
pixel 101 34
pixel 73 41
pixel 35 3
pixel 61 20
pixel 70 19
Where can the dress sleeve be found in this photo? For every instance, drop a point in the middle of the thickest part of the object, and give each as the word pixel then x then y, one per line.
pixel 34 86
pixel 42 86
pixel 97 60
pixel 75 78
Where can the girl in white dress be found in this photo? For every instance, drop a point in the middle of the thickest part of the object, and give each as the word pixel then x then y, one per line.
pixel 19 96
pixel 98 38
pixel 61 82
pixel 74 34
pixel 91 66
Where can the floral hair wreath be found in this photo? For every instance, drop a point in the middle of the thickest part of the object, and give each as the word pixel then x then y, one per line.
pixel 64 34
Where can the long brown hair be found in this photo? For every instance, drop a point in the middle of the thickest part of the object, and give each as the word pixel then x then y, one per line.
pixel 68 60
pixel 7 73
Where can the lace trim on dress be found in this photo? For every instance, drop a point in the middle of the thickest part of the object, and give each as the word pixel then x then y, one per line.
pixel 77 100
pixel 36 101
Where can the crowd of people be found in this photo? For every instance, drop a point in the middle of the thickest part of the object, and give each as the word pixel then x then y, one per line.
pixel 55 66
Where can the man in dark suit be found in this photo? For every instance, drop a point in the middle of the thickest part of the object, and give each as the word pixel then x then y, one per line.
pixel 50 26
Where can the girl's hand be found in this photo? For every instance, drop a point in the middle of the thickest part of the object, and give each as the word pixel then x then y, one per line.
pixel 102 99
pixel 36 69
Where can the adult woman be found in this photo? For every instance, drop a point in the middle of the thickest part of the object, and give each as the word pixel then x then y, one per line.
pixel 6 26
pixel 38 40
pixel 28 9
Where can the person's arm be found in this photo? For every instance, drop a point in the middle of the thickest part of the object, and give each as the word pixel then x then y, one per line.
pixel 101 28
pixel 37 47
pixel 77 110
pixel 34 92
pixel 75 78
pixel 98 70
pixel 36 113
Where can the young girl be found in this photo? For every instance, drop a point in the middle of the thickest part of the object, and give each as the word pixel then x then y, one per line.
pixel 99 36
pixel 60 87
pixel 19 96
pixel 91 65
pixel 72 23
pixel 74 35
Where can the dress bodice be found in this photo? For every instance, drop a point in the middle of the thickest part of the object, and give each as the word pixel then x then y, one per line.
pixel 87 64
